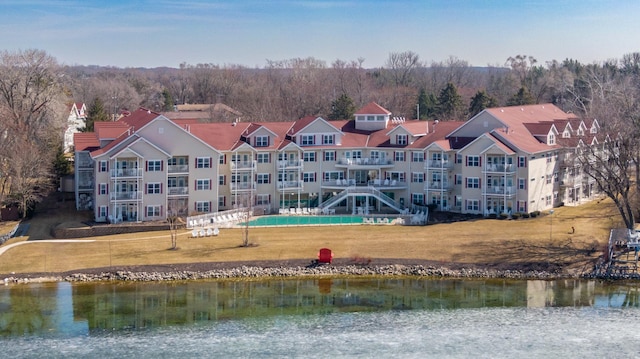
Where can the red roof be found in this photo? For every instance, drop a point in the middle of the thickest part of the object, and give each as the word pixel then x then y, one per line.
pixel 372 108
pixel 85 141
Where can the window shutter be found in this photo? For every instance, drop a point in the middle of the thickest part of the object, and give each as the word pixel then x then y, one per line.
pixel 107 188
pixel 107 166
pixel 146 165
pixel 146 188
pixel 269 199
pixel 195 185
pixel 480 161
pixel 466 160
pixel 525 162
pixel 209 206
pixel 210 162
pixel 269 178
pixel 479 182
pixel 161 211
pixel 466 183
pixel 162 165
pixel 210 184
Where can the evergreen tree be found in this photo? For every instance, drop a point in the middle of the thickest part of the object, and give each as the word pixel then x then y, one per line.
pixel 342 108
pixel 480 101
pixel 95 113
pixel 427 105
pixel 523 97
pixel 450 105
pixel 168 100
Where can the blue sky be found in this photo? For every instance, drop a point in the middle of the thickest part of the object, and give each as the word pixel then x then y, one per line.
pixel 167 33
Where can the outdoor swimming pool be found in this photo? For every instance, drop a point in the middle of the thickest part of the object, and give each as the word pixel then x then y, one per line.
pixel 268 221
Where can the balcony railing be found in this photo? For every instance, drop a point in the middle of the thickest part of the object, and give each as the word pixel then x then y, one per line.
pixel 130 172
pixel 435 186
pixel 501 190
pixel 366 161
pixel 177 191
pixel 290 184
pixel 435 164
pixel 116 196
pixel 243 165
pixel 500 168
pixel 85 185
pixel 290 164
pixel 242 186
pixel 178 168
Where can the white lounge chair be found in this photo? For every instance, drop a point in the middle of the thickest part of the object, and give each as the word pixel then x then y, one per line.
pixel 216 231
pixel 201 233
pixel 194 233
pixel 209 232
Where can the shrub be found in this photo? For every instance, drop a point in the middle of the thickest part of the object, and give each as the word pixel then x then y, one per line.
pixel 493 216
pixel 504 215
pixel 516 215
pixel 533 214
pixel 525 215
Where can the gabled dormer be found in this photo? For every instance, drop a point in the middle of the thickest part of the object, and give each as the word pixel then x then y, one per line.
pixel 372 117
pixel 400 136
pixel 314 131
pixel 259 136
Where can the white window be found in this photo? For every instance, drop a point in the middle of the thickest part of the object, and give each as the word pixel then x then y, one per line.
pixel 309 176
pixel 548 200
pixel 222 160
pixel 203 206
pixel 549 178
pixel 371 118
pixel 333 175
pixel 473 182
pixel 522 206
pixel 262 141
pixel 307 140
pixel 522 161
pixel 222 201
pixel 103 188
pixel 153 188
pixel 154 166
pixel 522 183
pixel 399 156
pixel 203 162
pixel 263 178
pixel 417 198
pixel 398 176
pixel 458 201
pixel 329 156
pixel 552 139
pixel 263 157
pixel 328 139
pixel 153 211
pixel 417 156
pixel 262 199
pixel 473 205
pixel 104 166
pixel 458 178
pixel 473 161
pixel 417 177
pixel 402 139
pixel 222 180
pixel 102 211
pixel 309 156
pixel 203 184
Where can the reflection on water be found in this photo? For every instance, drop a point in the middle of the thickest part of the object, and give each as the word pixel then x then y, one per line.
pixel 65 309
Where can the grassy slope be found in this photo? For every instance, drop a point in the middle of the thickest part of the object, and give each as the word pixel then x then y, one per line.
pixel 480 241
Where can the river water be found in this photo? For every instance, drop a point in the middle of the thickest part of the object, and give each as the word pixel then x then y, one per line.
pixel 322 318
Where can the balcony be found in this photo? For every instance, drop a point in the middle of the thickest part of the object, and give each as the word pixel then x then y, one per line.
pixel 124 173
pixel 243 165
pixel 118 196
pixel 178 191
pixel 437 186
pixel 378 184
pixel 507 168
pixel 291 164
pixel 367 162
pixel 289 185
pixel 242 186
pixel 85 185
pixel 178 168
pixel 501 191
pixel 435 164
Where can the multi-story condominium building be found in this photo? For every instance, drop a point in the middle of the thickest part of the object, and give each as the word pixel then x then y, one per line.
pixel 75 121
pixel 146 166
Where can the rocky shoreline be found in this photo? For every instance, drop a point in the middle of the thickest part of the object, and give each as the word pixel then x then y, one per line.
pixel 249 272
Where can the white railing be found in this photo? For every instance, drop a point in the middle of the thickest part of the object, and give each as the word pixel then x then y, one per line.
pixel 130 172
pixel 290 184
pixel 290 164
pixel 366 161
pixel 135 195
pixel 178 190
pixel 178 168
pixel 438 164
pixel 239 186
pixel 243 165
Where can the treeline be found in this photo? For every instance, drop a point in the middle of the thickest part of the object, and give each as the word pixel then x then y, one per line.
pixel 34 90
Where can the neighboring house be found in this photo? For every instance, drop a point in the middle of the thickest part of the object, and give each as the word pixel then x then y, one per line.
pixel 75 121
pixel 146 166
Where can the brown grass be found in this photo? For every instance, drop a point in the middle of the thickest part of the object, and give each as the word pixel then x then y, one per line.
pixel 543 239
